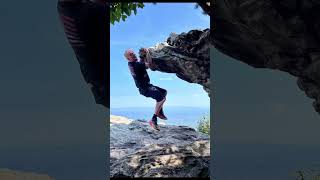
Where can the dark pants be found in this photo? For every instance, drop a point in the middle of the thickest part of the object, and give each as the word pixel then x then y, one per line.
pixel 154 92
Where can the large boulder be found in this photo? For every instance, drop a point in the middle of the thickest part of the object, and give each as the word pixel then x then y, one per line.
pixel 273 34
pixel 174 151
pixel 187 55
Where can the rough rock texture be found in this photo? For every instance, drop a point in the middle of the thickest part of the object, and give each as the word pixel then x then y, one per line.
pixel 186 55
pixel 274 34
pixel 175 151
pixel 6 174
pixel 206 7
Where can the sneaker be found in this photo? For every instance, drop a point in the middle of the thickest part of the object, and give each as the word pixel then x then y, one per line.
pixel 154 125
pixel 161 115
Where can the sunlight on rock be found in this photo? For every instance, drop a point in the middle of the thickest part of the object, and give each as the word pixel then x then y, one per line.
pixel 136 150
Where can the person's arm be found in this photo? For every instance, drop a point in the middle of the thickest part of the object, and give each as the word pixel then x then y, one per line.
pixel 141 65
pixel 145 57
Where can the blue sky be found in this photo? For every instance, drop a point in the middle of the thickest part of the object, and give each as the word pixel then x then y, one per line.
pixel 150 26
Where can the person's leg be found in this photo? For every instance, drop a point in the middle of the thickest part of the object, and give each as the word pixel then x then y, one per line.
pixel 159 106
pixel 161 113
pixel 156 94
pixel 154 122
pixel 152 92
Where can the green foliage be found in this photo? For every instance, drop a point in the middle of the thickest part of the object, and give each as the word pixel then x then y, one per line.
pixel 204 125
pixel 120 11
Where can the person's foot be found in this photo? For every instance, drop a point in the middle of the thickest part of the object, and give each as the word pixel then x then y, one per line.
pixel 161 114
pixel 153 123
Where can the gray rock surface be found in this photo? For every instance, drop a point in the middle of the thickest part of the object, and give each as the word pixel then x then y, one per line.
pixel 187 55
pixel 174 151
pixel 274 34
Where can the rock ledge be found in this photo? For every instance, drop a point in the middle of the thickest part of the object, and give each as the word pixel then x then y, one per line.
pixel 175 151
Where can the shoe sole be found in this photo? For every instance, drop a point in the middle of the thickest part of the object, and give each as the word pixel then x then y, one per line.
pixel 153 126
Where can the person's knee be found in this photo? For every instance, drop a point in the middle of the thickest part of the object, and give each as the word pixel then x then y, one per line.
pixel 161 99
pixel 164 94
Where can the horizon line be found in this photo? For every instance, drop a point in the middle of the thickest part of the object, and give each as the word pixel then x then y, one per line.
pixel 165 106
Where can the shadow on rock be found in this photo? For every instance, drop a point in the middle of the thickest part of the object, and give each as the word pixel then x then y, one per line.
pixel 175 151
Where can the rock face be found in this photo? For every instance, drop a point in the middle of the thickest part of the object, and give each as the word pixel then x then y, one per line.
pixel 274 34
pixel 174 151
pixel 187 55
pixel 6 174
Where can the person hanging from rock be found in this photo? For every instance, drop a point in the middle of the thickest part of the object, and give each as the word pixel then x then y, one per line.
pixel 139 73
pixel 85 25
